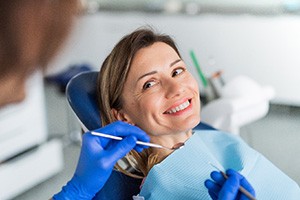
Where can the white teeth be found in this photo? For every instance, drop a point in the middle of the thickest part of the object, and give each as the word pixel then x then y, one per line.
pixel 178 108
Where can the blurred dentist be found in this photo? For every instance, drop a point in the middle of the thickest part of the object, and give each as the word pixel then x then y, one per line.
pixel 31 32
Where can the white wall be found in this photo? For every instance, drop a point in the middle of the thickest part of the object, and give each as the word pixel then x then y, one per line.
pixel 266 48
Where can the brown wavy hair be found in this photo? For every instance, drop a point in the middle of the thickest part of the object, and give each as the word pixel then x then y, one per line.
pixel 111 79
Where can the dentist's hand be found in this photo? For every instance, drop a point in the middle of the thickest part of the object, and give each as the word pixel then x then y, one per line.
pixel 223 189
pixel 97 158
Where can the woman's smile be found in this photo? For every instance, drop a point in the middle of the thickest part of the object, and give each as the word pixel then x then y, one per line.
pixel 179 109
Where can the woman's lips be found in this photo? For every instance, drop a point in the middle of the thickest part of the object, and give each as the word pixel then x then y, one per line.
pixel 178 108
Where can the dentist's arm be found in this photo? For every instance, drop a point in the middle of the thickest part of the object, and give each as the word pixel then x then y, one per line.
pixel 228 189
pixel 97 159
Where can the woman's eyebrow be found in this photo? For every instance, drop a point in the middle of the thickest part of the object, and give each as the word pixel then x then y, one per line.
pixel 153 72
pixel 176 61
pixel 147 74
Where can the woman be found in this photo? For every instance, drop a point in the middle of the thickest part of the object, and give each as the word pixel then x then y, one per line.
pixel 145 82
pixel 141 100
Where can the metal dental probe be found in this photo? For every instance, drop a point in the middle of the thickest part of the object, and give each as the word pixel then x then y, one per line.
pixel 176 146
pixel 241 188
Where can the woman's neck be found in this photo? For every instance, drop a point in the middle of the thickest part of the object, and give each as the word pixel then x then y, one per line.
pixel 169 141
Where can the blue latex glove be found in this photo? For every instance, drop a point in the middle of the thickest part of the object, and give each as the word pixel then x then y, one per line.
pixel 223 189
pixel 97 158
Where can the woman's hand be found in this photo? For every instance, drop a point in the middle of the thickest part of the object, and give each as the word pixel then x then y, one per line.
pixel 97 158
pixel 228 189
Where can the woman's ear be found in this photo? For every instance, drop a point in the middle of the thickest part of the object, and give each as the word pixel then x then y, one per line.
pixel 120 115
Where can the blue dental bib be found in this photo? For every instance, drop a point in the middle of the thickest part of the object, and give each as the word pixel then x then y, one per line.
pixel 182 174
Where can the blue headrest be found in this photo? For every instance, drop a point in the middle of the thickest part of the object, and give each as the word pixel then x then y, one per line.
pixel 82 97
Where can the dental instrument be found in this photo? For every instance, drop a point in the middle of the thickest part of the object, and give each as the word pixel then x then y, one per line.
pixel 241 188
pixel 175 147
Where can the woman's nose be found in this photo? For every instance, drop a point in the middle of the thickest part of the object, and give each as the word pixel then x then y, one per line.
pixel 173 88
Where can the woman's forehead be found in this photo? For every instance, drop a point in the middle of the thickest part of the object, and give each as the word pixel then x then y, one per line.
pixel 152 58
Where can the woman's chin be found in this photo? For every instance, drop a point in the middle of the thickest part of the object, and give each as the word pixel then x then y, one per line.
pixel 192 122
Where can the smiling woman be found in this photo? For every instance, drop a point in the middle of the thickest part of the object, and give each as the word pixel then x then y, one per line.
pixel 144 82
pixel 152 89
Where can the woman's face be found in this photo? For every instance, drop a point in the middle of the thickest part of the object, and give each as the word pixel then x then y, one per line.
pixel 160 95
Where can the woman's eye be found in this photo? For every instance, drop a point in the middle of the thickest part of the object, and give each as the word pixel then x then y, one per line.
pixel 177 72
pixel 148 84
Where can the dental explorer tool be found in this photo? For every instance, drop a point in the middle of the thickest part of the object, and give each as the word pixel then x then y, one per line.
pixel 241 188
pixel 175 147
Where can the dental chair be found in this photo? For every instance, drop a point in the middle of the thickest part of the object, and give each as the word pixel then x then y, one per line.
pixel 81 95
